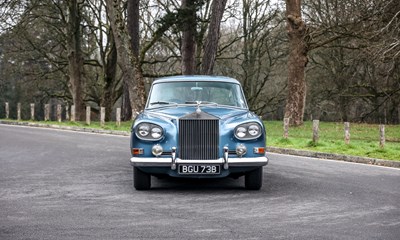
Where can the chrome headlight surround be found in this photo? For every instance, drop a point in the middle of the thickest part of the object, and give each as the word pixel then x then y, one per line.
pixel 248 131
pixel 149 131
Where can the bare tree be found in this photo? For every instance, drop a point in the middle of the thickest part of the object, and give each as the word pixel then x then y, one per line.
pixel 262 52
pixel 75 58
pixel 133 29
pixel 103 83
pixel 211 43
pixel 352 71
pixel 52 31
pixel 128 62
pixel 188 49
pixel 296 29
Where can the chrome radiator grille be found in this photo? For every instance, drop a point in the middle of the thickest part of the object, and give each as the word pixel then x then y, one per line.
pixel 198 139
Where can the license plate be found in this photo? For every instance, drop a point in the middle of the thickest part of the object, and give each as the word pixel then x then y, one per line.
pixel 198 169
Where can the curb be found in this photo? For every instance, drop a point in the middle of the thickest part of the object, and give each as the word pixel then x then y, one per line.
pixel 76 129
pixel 320 155
pixel 334 156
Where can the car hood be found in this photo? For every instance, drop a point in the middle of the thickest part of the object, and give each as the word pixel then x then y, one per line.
pixel 174 113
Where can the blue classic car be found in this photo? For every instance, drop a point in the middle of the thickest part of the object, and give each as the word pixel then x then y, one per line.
pixel 197 127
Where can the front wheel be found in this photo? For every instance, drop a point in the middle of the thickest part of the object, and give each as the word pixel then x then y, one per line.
pixel 253 180
pixel 141 180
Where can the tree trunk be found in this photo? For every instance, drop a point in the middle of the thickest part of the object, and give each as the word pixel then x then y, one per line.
pixel 297 62
pixel 75 59
pixel 249 53
pixel 110 68
pixel 133 30
pixel 211 44
pixel 188 47
pixel 128 62
pixel 133 25
pixel 126 105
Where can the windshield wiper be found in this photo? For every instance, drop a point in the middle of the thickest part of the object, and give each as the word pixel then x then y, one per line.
pixel 163 102
pixel 201 102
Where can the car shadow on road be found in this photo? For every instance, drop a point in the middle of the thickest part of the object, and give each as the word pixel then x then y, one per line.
pixel 193 185
pixel 273 183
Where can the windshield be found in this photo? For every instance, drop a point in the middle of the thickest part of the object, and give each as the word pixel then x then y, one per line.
pixel 216 93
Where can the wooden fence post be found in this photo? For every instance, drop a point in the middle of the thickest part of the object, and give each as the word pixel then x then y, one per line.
pixel 118 117
pixel 73 113
pixel 7 110
pixel 67 112
pixel 102 116
pixel 286 122
pixel 88 112
pixel 382 136
pixel 32 111
pixel 47 112
pixel 19 111
pixel 59 112
pixel 315 131
pixel 347 132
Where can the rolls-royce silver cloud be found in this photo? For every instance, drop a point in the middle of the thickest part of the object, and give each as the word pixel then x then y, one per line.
pixel 197 127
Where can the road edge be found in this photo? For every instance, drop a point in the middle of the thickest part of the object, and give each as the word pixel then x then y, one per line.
pixel 334 156
pixel 70 128
pixel 295 152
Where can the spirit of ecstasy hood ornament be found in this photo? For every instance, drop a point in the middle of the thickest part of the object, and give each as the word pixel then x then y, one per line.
pixel 198 110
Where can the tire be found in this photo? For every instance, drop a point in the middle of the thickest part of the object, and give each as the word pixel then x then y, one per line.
pixel 141 180
pixel 253 180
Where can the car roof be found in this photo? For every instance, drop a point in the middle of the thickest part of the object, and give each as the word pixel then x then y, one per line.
pixel 187 78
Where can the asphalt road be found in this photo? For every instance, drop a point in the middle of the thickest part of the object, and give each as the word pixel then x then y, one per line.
pixel 68 185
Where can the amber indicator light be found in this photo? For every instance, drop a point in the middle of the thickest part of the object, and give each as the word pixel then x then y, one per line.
pixel 259 150
pixel 137 151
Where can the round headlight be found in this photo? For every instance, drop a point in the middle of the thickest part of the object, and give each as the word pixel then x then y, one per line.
pixel 248 131
pixel 241 132
pixel 156 132
pixel 149 131
pixel 254 130
pixel 144 130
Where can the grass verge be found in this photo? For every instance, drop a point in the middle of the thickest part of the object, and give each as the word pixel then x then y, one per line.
pixel 364 139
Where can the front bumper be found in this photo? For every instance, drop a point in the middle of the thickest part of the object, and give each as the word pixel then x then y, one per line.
pixel 165 162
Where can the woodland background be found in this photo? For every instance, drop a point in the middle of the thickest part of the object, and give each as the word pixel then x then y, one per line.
pixel 330 60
